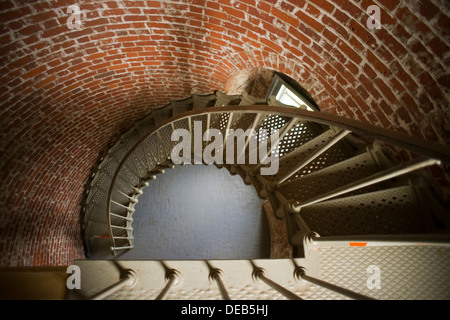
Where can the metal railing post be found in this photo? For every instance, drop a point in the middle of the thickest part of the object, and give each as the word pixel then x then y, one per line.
pixel 258 273
pixel 301 274
pixel 173 276
pixel 284 130
pixel 215 275
pixel 127 279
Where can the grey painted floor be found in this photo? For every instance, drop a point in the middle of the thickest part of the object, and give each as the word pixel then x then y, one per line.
pixel 196 212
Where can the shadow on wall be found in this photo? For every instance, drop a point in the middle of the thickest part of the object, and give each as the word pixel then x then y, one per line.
pixel 196 212
pixel 254 81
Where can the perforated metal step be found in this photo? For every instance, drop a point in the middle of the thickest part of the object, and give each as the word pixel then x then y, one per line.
pixel 319 177
pixel 296 146
pixel 390 211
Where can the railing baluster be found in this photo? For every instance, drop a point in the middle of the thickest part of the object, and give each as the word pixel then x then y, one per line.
pixel 190 126
pixel 123 206
pixel 301 274
pixel 215 275
pixel 208 124
pixel 132 199
pixel 120 248
pixel 258 273
pixel 119 227
pixel 127 278
pixel 121 217
pixel 173 276
pixel 230 120
pixel 284 131
pixel 252 129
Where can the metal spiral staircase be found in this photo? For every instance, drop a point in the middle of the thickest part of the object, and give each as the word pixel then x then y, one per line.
pixel 345 200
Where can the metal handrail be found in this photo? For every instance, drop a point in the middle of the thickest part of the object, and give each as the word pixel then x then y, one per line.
pixel 414 144
pixel 439 239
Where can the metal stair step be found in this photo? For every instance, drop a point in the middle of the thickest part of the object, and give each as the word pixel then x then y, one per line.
pixel 310 142
pixel 390 211
pixel 412 272
pixel 223 99
pixel 203 101
pixel 319 177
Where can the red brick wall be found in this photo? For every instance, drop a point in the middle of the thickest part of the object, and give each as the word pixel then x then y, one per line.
pixel 65 94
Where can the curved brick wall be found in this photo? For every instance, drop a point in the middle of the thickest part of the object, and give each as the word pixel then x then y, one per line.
pixel 66 94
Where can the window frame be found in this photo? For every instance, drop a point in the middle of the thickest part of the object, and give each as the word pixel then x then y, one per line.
pixel 279 80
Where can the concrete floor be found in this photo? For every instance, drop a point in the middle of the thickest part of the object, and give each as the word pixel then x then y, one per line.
pixel 196 212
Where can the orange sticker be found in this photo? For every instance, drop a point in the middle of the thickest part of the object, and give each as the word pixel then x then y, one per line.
pixel 358 244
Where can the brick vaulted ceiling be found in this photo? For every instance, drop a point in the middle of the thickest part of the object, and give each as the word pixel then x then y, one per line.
pixel 66 94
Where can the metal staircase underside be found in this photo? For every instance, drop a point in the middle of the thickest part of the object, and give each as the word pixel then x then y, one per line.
pixel 335 178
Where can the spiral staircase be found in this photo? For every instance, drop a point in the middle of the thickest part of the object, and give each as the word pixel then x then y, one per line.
pixel 346 203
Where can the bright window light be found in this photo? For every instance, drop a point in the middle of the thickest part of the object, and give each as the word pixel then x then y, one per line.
pixel 288 97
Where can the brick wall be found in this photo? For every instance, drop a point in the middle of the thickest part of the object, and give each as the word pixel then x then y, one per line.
pixel 66 94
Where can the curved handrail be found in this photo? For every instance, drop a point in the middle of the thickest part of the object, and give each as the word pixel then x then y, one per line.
pixel 416 145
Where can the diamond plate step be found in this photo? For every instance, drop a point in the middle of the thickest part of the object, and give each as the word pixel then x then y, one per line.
pixel 385 272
